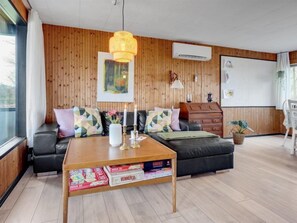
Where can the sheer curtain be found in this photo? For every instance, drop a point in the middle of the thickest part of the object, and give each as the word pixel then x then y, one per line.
pixel 35 79
pixel 282 79
pixel 293 82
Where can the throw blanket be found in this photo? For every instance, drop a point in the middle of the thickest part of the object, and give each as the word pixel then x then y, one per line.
pixel 186 135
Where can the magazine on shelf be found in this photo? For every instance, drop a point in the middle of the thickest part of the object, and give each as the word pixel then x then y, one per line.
pixel 121 168
pixel 125 177
pixel 157 173
pixel 156 164
pixel 87 178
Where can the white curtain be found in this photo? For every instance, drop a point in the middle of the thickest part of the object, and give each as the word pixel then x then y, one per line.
pixel 282 79
pixel 35 79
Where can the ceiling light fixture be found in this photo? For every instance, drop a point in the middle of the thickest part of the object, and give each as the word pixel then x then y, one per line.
pixel 122 45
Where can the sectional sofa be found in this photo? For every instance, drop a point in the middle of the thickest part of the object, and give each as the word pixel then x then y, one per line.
pixel 194 156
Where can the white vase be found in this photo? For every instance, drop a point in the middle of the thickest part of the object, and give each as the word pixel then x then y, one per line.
pixel 115 135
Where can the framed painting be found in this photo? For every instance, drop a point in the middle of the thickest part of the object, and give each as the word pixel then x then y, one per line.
pixel 115 80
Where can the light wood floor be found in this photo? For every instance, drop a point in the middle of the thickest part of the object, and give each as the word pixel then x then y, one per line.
pixel 261 188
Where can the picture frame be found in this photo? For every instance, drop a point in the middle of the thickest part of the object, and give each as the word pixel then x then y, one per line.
pixel 115 82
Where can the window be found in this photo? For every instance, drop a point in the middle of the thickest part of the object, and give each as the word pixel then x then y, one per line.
pixel 7 80
pixel 293 82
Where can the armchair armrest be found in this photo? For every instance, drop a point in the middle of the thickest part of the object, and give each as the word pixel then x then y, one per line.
pixel 45 139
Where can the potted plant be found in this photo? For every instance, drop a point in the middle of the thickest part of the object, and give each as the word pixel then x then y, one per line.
pixel 239 128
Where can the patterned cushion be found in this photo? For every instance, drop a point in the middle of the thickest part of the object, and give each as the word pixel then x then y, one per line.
pixel 174 117
pixel 87 121
pixel 158 121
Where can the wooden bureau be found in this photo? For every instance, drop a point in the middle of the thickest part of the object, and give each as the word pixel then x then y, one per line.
pixel 209 115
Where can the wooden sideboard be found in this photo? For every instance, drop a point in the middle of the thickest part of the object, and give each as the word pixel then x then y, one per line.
pixel 209 115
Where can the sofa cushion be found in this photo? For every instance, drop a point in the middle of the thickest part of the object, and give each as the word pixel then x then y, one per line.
pixel 158 121
pixel 193 148
pixel 65 120
pixel 62 144
pixel 141 119
pixel 87 122
pixel 174 117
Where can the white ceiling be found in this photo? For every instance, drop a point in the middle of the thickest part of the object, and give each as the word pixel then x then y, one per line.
pixel 261 25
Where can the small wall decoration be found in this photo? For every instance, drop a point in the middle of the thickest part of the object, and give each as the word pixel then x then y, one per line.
pixel 228 93
pixel 115 80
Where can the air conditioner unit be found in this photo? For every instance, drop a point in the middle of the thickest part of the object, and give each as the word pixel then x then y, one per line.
pixel 191 52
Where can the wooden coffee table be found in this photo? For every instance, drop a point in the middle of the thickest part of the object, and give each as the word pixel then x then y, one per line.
pixel 96 152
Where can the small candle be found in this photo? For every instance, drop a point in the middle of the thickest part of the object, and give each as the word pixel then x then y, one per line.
pixel 125 116
pixel 135 114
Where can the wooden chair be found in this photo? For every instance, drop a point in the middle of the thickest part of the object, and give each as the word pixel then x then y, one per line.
pixel 293 116
pixel 287 120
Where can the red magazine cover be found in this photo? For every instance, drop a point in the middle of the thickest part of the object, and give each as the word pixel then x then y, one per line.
pixel 87 178
pixel 122 168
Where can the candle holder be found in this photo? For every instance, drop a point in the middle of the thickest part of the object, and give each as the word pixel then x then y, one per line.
pixel 124 146
pixel 134 143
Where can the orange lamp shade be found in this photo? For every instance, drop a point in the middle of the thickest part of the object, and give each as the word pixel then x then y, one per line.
pixel 123 46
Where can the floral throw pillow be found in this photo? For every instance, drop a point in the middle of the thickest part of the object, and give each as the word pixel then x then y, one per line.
pixel 158 121
pixel 87 122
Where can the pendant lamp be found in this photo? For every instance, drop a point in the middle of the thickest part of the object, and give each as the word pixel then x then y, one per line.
pixel 123 46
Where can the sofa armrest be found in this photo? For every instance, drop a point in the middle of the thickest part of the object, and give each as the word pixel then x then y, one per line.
pixel 45 139
pixel 184 125
pixel 194 126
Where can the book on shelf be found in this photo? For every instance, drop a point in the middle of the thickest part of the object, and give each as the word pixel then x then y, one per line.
pixel 122 168
pixel 87 178
pixel 157 173
pixel 156 164
pixel 124 177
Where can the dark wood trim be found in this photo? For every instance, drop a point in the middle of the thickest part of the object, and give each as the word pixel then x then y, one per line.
pixel 248 136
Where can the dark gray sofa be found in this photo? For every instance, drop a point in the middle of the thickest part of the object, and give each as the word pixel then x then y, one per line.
pixel 193 155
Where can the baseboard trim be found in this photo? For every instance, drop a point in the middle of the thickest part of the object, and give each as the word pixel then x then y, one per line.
pixel 247 136
pixel 12 185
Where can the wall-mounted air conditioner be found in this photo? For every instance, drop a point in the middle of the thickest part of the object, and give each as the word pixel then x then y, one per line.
pixel 191 52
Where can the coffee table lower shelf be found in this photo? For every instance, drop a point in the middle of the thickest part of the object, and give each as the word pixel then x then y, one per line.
pixel 133 184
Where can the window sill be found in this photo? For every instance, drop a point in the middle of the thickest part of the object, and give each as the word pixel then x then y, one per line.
pixel 10 145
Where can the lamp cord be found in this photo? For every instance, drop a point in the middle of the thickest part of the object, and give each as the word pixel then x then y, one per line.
pixel 123 16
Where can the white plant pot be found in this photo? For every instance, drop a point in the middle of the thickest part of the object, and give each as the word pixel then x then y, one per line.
pixel 115 135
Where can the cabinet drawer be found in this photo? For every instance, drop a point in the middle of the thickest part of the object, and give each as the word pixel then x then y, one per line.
pixel 217 120
pixel 210 128
pixel 220 133
pixel 206 121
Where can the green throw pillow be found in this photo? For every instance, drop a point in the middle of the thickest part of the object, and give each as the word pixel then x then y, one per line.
pixel 158 121
pixel 87 121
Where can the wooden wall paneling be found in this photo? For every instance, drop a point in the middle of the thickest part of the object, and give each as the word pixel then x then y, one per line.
pixel 293 57
pixel 3 182
pixel 71 73
pixel 263 120
pixel 20 7
pixel 11 166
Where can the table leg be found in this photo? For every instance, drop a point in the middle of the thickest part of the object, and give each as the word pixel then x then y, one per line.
pixel 173 166
pixel 65 195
